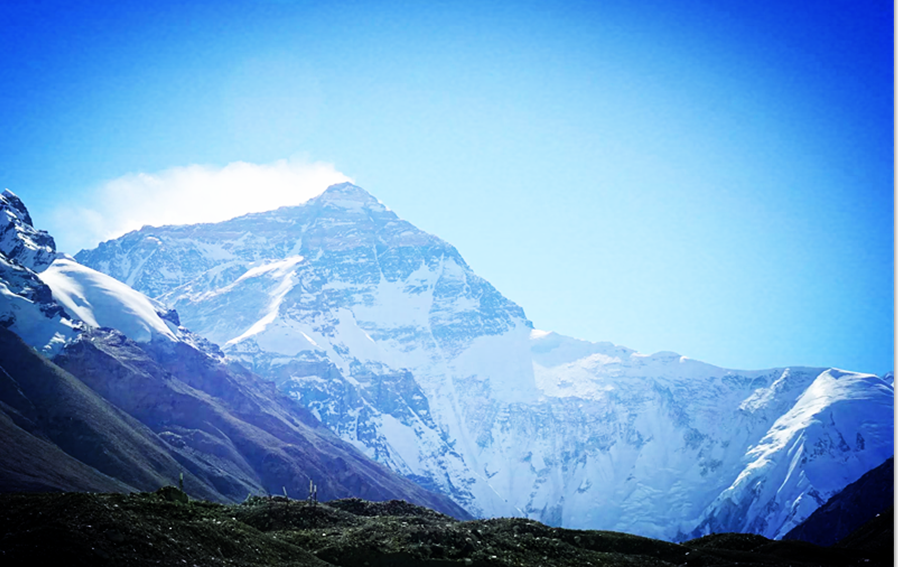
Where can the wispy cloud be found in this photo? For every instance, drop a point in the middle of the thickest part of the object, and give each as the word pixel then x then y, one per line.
pixel 190 194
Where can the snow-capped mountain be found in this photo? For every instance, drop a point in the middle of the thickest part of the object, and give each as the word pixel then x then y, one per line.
pixel 364 290
pixel 386 334
pixel 132 399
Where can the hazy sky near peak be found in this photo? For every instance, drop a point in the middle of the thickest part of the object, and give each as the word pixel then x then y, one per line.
pixel 187 195
pixel 711 178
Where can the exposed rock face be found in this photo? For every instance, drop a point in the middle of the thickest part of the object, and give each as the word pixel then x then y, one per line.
pixel 33 249
pixel 384 333
pixel 57 417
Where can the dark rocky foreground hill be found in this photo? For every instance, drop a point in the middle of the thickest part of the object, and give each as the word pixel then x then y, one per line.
pixel 163 528
pixel 858 503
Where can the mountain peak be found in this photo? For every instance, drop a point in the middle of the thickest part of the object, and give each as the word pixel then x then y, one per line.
pixel 9 200
pixel 19 240
pixel 349 196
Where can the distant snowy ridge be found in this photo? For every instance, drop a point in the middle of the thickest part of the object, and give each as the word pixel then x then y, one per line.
pixel 386 334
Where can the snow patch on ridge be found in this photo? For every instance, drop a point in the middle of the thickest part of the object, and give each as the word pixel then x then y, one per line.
pixel 102 301
pixel 278 341
pixel 280 269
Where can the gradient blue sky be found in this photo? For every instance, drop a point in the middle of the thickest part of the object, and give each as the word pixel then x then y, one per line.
pixel 712 178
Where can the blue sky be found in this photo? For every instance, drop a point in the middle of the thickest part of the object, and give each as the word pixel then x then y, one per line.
pixel 712 178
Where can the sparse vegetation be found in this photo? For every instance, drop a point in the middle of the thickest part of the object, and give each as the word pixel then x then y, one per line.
pixel 164 528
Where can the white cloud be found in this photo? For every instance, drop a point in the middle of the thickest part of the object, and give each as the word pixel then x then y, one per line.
pixel 187 195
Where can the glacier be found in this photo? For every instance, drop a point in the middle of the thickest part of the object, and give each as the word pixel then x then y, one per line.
pixel 391 340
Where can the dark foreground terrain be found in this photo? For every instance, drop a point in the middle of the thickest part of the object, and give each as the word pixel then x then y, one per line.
pixel 162 528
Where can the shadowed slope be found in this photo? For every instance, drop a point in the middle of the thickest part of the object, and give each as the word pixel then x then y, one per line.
pixel 856 504
pixel 31 464
pixel 876 537
pixel 47 406
pixel 238 430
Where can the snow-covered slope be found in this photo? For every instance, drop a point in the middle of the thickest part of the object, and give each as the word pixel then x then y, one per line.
pixel 101 301
pixel 26 303
pixel 839 428
pixel 725 450
pixel 386 334
pixel 27 308
pixel 46 298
